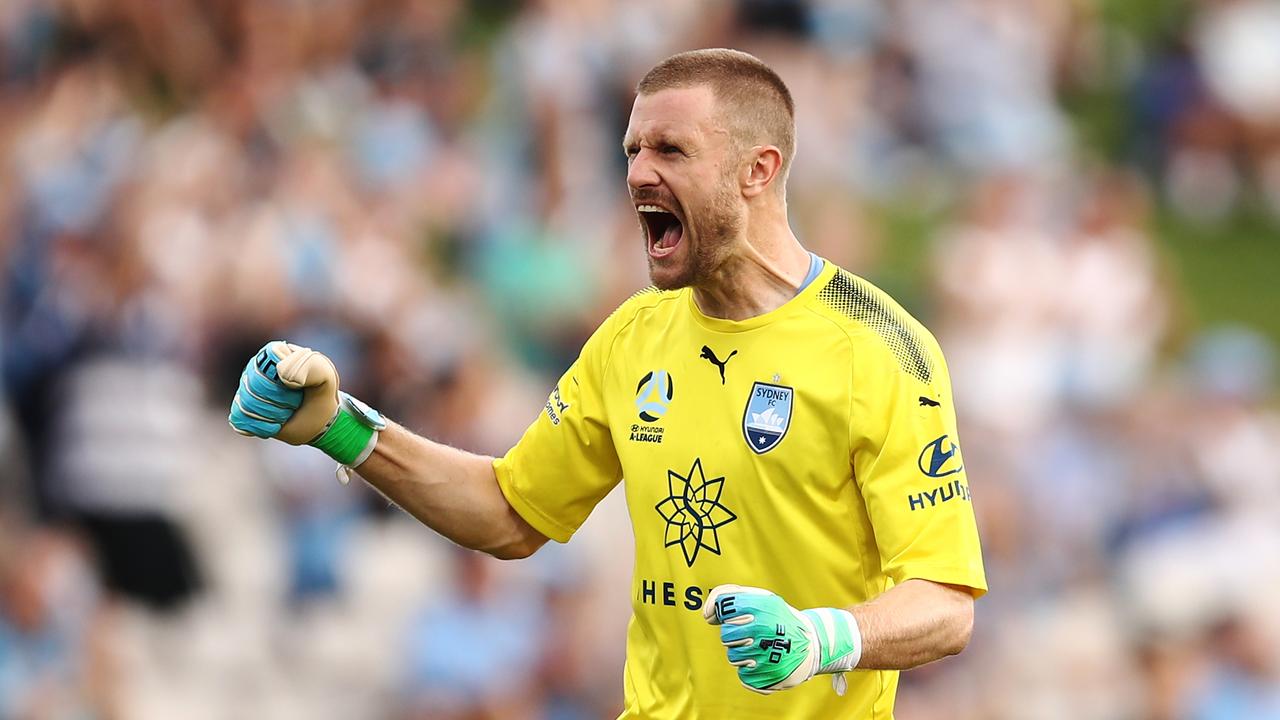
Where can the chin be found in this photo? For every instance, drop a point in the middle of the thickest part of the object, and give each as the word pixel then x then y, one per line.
pixel 669 276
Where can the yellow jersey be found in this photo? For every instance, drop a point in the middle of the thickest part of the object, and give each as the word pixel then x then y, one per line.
pixel 811 450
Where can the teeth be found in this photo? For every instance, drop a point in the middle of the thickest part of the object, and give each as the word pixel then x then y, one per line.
pixel 652 209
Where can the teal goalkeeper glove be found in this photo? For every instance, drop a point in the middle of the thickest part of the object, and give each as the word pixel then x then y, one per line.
pixel 774 646
pixel 290 393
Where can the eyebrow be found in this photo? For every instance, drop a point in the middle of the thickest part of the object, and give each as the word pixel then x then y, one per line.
pixel 680 141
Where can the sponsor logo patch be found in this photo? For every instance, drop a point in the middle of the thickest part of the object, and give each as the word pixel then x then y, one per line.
pixel 694 512
pixel 555 407
pixel 940 458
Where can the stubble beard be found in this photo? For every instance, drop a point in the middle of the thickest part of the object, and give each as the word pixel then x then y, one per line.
pixel 717 226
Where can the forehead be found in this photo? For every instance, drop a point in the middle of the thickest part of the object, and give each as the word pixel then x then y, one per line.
pixel 687 112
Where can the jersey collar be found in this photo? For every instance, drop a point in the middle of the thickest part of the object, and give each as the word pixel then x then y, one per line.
pixel 790 307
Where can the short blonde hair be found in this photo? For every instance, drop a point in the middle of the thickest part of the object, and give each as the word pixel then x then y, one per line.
pixel 754 98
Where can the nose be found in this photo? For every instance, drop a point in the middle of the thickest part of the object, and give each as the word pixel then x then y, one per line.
pixel 641 172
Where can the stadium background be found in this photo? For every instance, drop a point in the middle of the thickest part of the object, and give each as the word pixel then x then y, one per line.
pixel 1080 198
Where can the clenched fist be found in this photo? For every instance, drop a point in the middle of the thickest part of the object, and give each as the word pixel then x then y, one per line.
pixel 290 393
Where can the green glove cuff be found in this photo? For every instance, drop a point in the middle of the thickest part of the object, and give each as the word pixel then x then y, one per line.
pixel 839 639
pixel 353 432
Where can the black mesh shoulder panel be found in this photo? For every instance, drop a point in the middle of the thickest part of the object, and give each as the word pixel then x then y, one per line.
pixel 635 302
pixel 857 299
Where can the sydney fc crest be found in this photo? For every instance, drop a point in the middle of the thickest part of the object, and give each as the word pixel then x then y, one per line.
pixel 768 415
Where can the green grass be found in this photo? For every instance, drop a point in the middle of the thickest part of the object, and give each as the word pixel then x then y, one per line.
pixel 903 270
pixel 1229 272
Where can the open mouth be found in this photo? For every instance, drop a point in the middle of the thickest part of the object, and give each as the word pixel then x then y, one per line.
pixel 662 229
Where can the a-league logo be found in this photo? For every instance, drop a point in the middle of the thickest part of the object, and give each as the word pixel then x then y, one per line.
pixel 654 394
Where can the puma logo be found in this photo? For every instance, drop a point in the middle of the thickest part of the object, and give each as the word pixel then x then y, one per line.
pixel 711 357
pixel 928 402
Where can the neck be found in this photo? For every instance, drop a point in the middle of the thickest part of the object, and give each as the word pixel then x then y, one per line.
pixel 764 270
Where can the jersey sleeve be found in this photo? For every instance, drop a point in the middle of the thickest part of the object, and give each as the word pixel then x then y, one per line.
pixel 909 468
pixel 565 463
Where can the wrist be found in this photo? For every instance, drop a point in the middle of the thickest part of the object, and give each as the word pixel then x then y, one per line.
pixel 839 639
pixel 352 433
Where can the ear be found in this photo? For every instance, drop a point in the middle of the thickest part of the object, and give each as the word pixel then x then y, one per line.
pixel 764 163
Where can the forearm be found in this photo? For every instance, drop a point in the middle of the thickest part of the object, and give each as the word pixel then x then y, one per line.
pixel 914 623
pixel 451 491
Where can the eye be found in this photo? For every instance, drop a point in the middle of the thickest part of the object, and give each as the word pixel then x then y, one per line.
pixel 671 150
pixel 631 151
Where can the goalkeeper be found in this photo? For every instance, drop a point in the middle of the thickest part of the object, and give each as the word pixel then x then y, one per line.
pixel 785 429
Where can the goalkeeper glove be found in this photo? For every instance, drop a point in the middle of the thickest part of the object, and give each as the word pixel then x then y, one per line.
pixel 774 646
pixel 290 393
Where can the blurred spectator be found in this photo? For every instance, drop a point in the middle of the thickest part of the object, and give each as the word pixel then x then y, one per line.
pixel 472 655
pixel 1113 311
pixel 122 443
pixel 1235 370
pixel 52 662
pixel 1244 681
pixel 986 70
pixel 996 274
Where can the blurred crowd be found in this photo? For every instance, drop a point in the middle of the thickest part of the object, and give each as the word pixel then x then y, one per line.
pixel 433 194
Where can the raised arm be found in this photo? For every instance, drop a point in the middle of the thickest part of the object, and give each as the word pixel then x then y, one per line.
pixel 452 491
pixel 290 393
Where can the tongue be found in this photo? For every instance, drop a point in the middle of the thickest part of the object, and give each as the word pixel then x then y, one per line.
pixel 670 236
